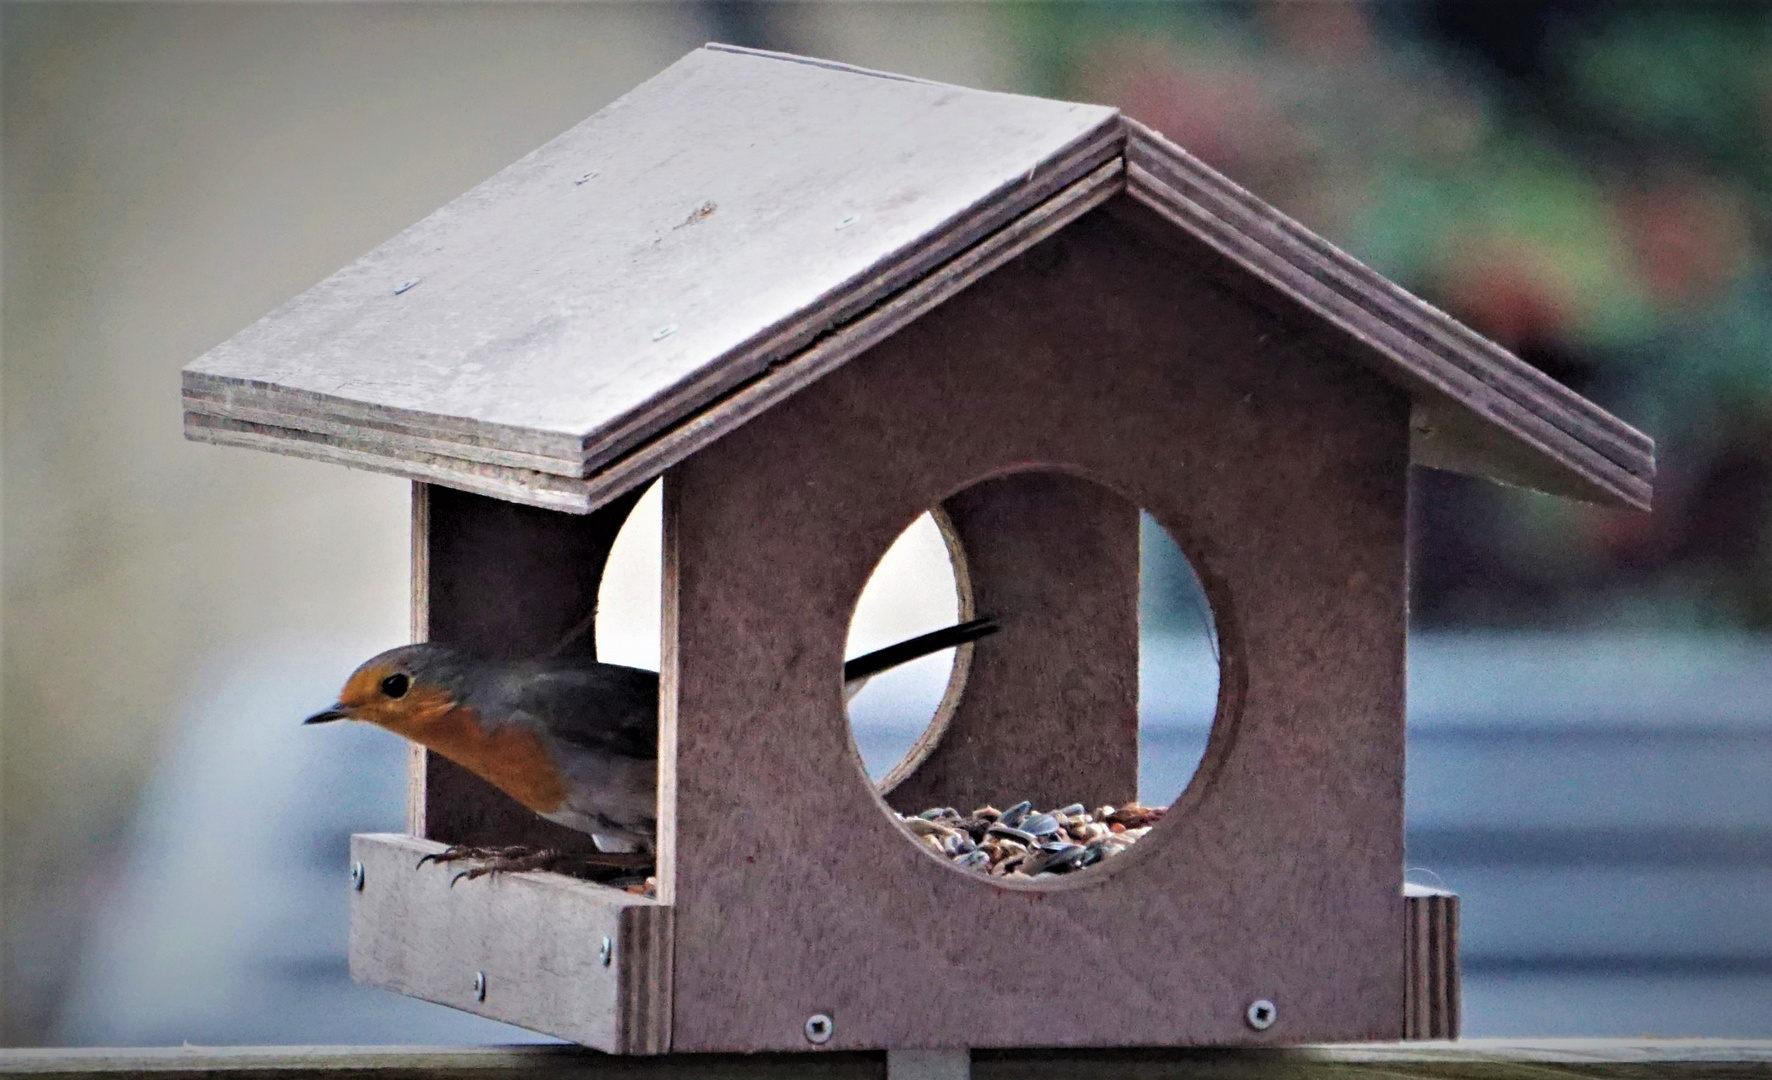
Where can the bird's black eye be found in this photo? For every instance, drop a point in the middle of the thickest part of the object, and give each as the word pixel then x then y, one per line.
pixel 395 685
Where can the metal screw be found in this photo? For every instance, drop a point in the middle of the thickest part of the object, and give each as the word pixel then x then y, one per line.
pixel 405 285
pixel 606 952
pixel 357 876
pixel 592 175
pixel 848 221
pixel 818 1029
pixel 664 331
pixel 1261 1014
pixel 479 986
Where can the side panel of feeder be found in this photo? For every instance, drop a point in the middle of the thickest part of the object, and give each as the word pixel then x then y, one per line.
pixel 1055 558
pixel 1280 470
pixel 502 580
pixel 581 961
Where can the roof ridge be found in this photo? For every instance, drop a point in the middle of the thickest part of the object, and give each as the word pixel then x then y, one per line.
pixel 833 65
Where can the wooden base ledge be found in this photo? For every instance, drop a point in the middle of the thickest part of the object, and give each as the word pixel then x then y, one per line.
pixel 1487 1059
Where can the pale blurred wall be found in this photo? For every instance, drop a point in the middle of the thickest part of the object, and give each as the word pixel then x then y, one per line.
pixel 170 174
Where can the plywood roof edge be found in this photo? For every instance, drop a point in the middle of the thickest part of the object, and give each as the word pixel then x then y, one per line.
pixel 224 397
pixel 510 481
pixel 833 65
pixel 842 343
pixel 775 346
pixel 1415 341
pixel 578 454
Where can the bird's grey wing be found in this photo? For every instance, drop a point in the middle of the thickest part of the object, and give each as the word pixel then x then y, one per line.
pixel 601 707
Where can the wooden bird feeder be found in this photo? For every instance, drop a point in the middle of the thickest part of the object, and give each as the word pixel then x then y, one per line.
pixel 819 301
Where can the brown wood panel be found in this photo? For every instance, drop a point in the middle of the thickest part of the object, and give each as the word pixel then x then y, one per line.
pixel 1278 466
pixel 1058 557
pixel 534 939
pixel 502 580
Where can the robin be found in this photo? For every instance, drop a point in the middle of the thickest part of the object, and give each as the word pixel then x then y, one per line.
pixel 572 739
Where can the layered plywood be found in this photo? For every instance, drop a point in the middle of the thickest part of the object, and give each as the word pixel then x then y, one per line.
pixel 1475 396
pixel 711 223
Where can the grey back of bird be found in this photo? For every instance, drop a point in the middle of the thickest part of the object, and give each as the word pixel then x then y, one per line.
pixel 599 722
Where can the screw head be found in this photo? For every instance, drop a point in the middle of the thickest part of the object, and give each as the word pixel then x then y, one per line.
pixel 357 876
pixel 1261 1014
pixel 405 286
pixel 479 986
pixel 818 1029
pixel 848 221
pixel 664 331
pixel 592 175
pixel 606 951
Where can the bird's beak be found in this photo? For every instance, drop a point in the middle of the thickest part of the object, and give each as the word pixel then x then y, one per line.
pixel 337 712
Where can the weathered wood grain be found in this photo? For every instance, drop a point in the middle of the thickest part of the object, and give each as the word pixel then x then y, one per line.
pixel 1057 557
pixel 710 223
pixel 1471 1059
pixel 847 342
pixel 368 450
pixel 503 580
pixel 1279 467
pixel 533 940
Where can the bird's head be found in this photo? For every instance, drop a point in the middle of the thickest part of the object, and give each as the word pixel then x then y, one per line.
pixel 405 690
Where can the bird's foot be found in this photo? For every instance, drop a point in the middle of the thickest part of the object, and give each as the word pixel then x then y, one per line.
pixel 600 866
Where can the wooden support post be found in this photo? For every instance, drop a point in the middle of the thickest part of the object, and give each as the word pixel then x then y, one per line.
pixel 1431 1005
pixel 929 1064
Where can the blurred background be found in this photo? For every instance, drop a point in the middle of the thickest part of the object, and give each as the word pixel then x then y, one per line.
pixel 1591 692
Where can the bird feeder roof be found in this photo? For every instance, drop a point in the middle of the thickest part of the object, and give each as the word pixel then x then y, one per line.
pixel 745 222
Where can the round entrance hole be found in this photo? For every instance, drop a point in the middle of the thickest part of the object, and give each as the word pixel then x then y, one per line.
pixel 1042 711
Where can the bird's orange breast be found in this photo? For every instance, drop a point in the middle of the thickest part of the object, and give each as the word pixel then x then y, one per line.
pixel 512 759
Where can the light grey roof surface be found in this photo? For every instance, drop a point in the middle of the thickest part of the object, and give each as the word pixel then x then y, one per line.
pixel 710 222
pixel 745 222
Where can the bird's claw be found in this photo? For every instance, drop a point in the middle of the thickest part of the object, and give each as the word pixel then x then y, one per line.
pixel 458 852
pixel 592 865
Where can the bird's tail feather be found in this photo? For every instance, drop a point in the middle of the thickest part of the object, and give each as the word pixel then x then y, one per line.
pixel 865 666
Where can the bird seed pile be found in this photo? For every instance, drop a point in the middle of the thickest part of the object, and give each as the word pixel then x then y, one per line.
pixel 1020 842
pixel 1024 842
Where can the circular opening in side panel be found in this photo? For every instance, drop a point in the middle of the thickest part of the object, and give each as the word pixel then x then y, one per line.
pixel 1079 707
